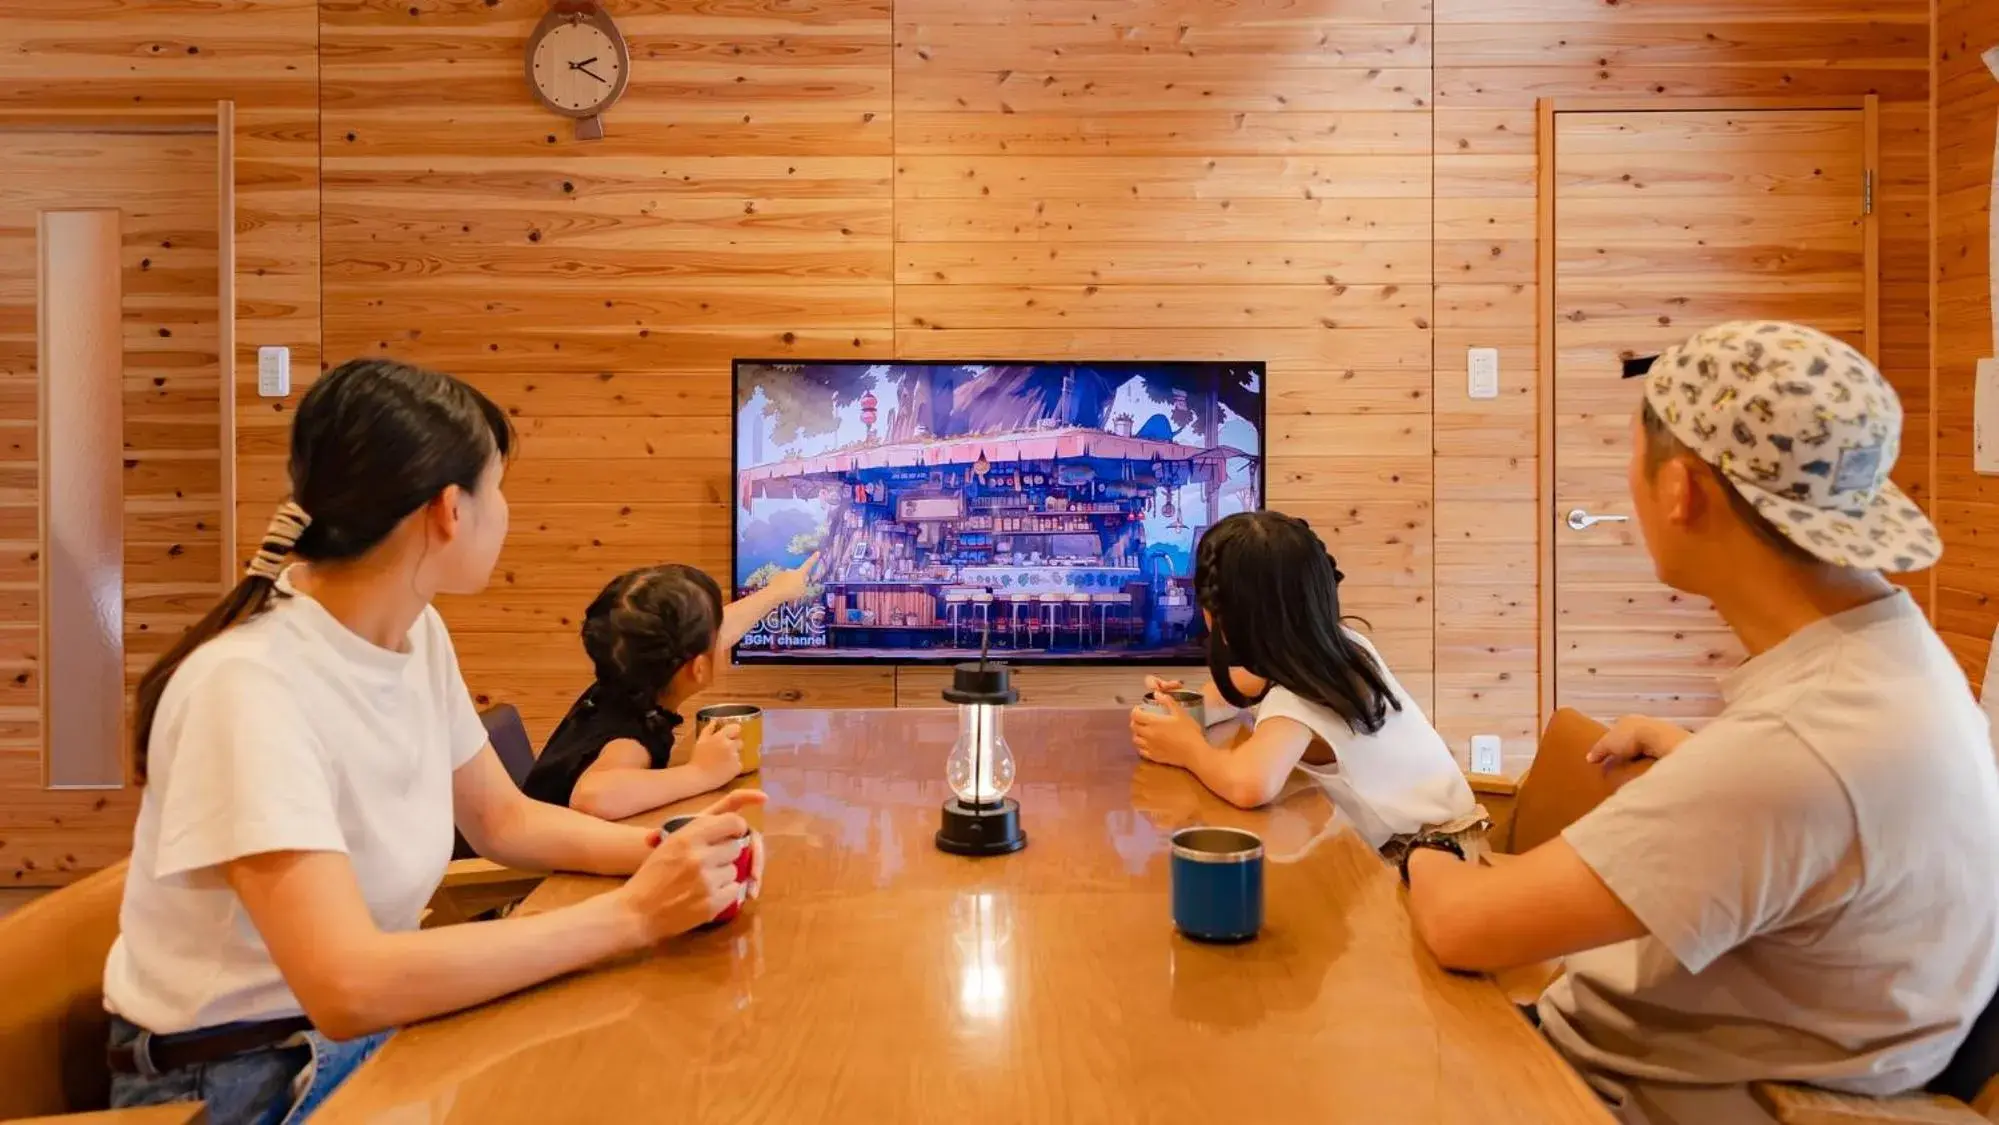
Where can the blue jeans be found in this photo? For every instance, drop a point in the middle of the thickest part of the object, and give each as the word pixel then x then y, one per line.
pixel 274 1086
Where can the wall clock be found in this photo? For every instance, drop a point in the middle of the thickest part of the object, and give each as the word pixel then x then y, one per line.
pixel 577 63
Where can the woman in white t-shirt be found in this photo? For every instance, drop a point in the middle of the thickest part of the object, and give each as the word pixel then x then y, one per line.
pixel 306 750
pixel 1325 702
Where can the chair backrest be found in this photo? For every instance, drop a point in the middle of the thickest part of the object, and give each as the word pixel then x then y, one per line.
pixel 1561 786
pixel 52 1021
pixel 509 735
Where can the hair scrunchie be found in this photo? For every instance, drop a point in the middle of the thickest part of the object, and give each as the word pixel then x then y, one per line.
pixel 289 522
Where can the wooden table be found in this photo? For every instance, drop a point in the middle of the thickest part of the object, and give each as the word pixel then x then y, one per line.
pixel 879 980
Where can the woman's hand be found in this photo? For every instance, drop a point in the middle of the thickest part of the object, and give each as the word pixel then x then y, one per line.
pixel 1171 739
pixel 1634 737
pixel 691 875
pixel 1163 685
pixel 790 585
pixel 718 753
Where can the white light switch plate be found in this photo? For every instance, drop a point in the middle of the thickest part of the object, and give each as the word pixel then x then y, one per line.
pixel 1485 754
pixel 1482 372
pixel 1985 418
pixel 274 371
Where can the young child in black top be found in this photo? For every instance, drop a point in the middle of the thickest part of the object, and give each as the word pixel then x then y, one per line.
pixel 655 636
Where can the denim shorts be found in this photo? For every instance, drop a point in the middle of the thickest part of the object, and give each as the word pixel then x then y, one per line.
pixel 274 1086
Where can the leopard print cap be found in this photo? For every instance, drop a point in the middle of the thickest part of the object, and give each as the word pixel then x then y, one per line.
pixel 1806 429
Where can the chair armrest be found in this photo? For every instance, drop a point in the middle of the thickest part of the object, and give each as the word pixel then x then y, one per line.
pixel 1804 1105
pixel 176 1113
pixel 480 872
pixel 472 887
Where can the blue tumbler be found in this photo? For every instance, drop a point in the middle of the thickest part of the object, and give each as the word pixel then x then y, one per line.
pixel 1217 883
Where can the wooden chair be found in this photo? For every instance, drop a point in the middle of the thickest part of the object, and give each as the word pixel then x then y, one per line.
pixel 473 886
pixel 1561 785
pixel 1966 1093
pixel 1554 793
pixel 509 736
pixel 53 1026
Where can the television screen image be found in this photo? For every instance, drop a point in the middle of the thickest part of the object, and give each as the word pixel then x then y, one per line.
pixel 1050 509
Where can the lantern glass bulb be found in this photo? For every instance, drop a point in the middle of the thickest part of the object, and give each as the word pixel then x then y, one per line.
pixel 980 769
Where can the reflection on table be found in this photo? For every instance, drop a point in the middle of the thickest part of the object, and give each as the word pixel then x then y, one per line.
pixel 879 980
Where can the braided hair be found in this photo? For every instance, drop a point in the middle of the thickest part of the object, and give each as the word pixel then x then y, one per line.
pixel 642 630
pixel 1274 593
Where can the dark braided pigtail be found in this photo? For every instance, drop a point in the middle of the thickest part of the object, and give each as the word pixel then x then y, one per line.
pixel 1273 591
pixel 642 629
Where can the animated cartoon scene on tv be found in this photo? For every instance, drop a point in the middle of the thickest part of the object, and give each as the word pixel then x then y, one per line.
pixel 1052 508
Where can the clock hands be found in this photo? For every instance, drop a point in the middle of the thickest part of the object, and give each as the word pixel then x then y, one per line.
pixel 584 66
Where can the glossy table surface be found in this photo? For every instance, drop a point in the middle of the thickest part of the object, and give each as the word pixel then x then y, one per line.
pixel 880 980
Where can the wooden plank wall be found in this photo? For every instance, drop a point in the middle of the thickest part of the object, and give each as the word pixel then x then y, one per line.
pixel 741 204
pixel 857 177
pixel 126 61
pixel 138 62
pixel 1186 179
pixel 1172 178
pixel 1967 504
pixel 1493 59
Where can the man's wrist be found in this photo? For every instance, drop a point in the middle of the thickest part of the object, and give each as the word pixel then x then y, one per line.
pixel 1663 738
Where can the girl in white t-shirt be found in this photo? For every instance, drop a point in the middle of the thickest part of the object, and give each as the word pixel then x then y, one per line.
pixel 1324 701
pixel 306 750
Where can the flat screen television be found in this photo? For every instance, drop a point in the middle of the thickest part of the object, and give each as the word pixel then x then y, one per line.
pixel 1050 509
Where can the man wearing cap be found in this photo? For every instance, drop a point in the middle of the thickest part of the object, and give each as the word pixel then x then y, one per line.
pixel 1807 890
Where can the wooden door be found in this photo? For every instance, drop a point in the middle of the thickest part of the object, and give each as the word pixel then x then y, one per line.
pixel 164 190
pixel 1665 222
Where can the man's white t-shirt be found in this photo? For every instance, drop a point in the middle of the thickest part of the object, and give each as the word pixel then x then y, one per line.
pixel 1400 779
pixel 1815 870
pixel 286 733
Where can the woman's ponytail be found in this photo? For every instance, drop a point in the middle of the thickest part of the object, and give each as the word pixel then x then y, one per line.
pixel 250 597
pixel 372 441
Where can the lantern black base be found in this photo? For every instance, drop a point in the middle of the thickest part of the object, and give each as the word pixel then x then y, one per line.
pixel 976 830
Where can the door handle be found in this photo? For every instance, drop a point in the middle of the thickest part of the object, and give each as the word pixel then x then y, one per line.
pixel 1582 520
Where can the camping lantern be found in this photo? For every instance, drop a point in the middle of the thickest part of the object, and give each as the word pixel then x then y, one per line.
pixel 980 819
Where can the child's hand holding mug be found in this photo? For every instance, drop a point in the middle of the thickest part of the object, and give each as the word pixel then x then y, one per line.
pixel 718 753
pixel 1164 731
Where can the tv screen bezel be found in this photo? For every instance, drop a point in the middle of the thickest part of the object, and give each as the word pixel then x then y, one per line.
pixel 787 660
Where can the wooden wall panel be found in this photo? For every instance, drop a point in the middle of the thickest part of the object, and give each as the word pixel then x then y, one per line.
pixel 124 63
pixel 136 60
pixel 1968 504
pixel 740 204
pixel 1493 59
pixel 1178 179
pixel 1344 188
